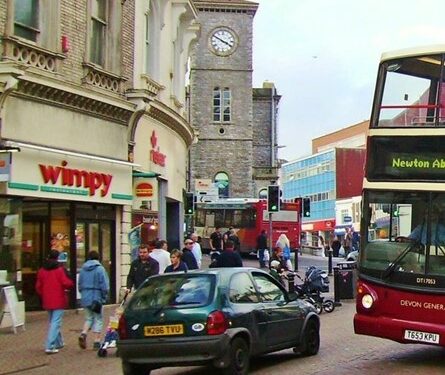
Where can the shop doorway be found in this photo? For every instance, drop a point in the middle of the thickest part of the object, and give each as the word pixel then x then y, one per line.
pixel 96 235
pixel 71 228
pixel 35 236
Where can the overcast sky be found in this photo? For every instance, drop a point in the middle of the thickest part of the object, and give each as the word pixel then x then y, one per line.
pixel 322 56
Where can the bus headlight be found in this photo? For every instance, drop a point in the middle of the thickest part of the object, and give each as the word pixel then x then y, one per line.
pixel 367 301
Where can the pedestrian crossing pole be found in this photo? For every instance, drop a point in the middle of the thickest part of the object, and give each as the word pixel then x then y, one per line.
pixel 270 236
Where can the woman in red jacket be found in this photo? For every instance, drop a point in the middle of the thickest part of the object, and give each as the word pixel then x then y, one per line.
pixel 52 281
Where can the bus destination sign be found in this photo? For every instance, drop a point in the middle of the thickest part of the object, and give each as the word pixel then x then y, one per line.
pixel 406 158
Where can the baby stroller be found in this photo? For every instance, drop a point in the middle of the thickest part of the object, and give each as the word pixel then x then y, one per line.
pixel 111 335
pixel 316 281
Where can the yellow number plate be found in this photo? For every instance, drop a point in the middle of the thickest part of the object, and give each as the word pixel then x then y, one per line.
pixel 167 330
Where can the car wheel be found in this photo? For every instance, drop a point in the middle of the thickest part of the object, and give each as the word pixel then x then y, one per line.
pixel 328 306
pixel 135 369
pixel 311 339
pixel 239 358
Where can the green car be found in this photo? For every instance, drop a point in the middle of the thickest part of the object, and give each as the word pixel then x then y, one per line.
pixel 219 317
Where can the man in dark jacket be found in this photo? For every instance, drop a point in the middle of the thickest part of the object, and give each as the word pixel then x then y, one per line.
pixel 187 255
pixel 229 257
pixel 261 245
pixel 141 268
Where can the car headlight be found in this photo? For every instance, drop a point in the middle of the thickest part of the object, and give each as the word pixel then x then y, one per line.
pixel 367 301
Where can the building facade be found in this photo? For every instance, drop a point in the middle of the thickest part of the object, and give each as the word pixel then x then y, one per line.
pixel 332 180
pixel 230 117
pixel 82 119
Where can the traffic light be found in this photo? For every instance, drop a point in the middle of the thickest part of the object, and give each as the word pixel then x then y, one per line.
pixel 273 198
pixel 189 204
pixel 306 207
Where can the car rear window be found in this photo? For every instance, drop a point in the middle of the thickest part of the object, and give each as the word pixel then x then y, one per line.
pixel 173 291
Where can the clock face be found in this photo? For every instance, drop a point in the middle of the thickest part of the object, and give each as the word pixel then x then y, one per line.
pixel 222 41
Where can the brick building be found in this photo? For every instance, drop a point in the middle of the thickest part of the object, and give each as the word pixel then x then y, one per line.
pixel 92 105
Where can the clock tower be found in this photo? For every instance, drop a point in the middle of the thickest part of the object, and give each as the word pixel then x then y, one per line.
pixel 221 98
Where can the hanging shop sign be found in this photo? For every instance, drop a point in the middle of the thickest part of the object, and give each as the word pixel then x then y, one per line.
pixel 145 192
pixel 155 155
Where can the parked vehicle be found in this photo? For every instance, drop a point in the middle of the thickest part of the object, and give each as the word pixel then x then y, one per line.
pixel 219 317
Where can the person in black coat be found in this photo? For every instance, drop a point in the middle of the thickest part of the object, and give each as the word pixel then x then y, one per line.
pixel 187 255
pixel 229 257
pixel 141 268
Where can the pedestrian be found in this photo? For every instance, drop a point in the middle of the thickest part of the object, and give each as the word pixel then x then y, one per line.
pixel 235 239
pixel 216 243
pixel 335 245
pixel 187 256
pixel 321 245
pixel 161 255
pixel 261 245
pixel 284 244
pixel 141 268
pixel 229 257
pixel 177 264
pixel 94 287
pixel 277 255
pixel 226 236
pixel 196 249
pixel 51 285
pixel 347 241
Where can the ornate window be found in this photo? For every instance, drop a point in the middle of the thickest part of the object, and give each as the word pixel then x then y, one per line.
pixel 104 34
pixel 32 34
pixel 222 182
pixel 26 19
pixel 221 104
pixel 99 24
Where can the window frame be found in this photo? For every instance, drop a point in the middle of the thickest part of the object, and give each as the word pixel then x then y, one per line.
pixel 222 105
pixel 99 57
pixel 48 27
pixel 35 28
pixel 112 41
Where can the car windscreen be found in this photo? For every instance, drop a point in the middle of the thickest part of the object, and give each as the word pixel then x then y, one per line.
pixel 173 290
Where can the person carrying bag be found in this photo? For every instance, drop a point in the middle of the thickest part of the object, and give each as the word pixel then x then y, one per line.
pixel 94 287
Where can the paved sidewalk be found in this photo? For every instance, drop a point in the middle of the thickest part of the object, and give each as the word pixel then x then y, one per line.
pixel 25 350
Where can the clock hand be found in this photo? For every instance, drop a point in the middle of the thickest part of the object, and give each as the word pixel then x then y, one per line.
pixel 224 41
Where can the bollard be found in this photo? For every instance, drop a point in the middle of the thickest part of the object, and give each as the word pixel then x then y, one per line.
pixel 330 251
pixel 296 260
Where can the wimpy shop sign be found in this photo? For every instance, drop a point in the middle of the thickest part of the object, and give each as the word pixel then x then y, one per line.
pixel 65 176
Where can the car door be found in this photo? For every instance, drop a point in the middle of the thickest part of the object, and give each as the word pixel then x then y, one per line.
pixel 284 318
pixel 248 310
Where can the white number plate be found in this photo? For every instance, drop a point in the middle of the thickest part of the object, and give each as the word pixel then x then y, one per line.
pixel 432 338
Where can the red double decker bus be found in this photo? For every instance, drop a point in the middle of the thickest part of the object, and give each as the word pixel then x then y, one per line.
pixel 401 268
pixel 248 217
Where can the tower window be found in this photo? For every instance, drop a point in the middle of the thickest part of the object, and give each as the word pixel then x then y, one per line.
pixel 222 182
pixel 221 104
